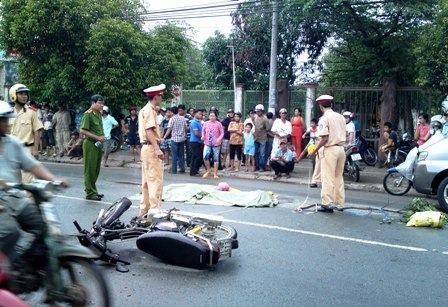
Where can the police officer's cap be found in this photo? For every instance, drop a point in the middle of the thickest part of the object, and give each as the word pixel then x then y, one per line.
pixel 155 90
pixel 325 100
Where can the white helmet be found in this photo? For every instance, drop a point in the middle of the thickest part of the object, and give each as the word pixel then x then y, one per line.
pixel 347 113
pixel 6 110
pixel 439 118
pixel 259 107
pixel 445 105
pixel 106 109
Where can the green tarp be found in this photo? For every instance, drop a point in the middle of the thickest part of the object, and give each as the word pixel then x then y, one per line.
pixel 209 194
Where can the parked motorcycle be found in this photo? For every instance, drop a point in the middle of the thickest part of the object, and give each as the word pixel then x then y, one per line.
pixel 399 154
pixel 395 183
pixel 351 167
pixel 67 275
pixel 367 153
pixel 181 238
pixel 117 139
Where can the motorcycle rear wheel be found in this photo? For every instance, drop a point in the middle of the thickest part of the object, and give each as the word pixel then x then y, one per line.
pixel 352 171
pixel 396 184
pixel 84 283
pixel 370 157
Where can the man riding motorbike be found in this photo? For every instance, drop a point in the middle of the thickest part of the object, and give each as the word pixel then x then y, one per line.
pixel 17 210
pixel 350 129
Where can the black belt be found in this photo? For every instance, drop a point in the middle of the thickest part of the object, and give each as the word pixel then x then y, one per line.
pixel 28 145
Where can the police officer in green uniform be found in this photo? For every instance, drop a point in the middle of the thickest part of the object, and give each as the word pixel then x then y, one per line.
pixel 92 129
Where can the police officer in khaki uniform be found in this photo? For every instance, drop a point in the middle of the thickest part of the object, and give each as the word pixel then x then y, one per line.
pixel 26 126
pixel 151 155
pixel 331 131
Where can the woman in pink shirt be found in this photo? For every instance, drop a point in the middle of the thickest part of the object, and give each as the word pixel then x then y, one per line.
pixel 422 132
pixel 212 134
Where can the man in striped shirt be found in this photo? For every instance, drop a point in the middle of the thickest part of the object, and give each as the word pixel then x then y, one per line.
pixel 177 126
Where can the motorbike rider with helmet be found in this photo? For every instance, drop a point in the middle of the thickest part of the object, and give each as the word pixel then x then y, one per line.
pixel 26 125
pixel 350 129
pixel 17 211
pixel 444 118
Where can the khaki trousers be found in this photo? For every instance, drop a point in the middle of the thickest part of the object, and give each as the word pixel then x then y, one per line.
pixel 152 180
pixel 27 177
pixel 62 139
pixel 332 167
pixel 316 174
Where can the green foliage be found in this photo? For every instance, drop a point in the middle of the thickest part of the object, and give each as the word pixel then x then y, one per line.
pixel 421 205
pixel 432 52
pixel 70 49
pixel 116 58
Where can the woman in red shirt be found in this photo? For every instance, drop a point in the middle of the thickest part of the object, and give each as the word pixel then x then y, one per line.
pixel 298 126
pixel 422 132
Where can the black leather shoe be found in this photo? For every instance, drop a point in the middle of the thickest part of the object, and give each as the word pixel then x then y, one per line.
pixel 94 197
pixel 313 185
pixel 324 208
pixel 100 195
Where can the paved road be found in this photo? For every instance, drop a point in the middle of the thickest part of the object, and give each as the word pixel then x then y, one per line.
pixel 284 259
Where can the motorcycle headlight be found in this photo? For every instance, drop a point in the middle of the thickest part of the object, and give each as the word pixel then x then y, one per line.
pixel 422 156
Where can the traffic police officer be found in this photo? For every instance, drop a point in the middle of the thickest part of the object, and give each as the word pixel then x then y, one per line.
pixel 331 130
pixel 92 128
pixel 25 125
pixel 151 155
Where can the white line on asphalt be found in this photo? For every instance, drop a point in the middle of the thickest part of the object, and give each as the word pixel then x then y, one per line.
pixel 323 235
pixel 305 232
pixel 83 199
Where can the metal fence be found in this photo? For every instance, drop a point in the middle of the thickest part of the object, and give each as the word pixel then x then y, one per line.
pixel 366 103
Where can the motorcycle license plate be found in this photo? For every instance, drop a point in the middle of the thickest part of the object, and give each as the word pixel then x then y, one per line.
pixel 225 249
pixel 356 157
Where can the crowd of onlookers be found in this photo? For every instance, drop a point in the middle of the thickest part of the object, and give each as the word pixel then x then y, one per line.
pixel 198 137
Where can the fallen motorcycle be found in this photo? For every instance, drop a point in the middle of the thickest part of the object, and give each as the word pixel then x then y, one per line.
pixel 181 238
pixel 67 274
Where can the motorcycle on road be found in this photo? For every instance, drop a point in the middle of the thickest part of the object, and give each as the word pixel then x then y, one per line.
pixel 67 274
pixel 181 238
pixel 351 167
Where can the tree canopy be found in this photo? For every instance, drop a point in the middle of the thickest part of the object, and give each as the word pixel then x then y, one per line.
pixel 70 49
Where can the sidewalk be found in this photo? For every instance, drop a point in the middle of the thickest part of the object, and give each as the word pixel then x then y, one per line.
pixel 371 178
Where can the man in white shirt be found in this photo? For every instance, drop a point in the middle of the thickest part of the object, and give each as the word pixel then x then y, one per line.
pixel 350 128
pixel 109 123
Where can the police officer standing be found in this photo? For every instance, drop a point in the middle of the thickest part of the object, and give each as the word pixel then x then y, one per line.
pixel 151 155
pixel 92 128
pixel 331 131
pixel 25 126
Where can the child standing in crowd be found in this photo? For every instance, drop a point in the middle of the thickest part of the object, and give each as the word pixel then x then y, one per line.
pixel 312 134
pixel 249 147
pixel 236 129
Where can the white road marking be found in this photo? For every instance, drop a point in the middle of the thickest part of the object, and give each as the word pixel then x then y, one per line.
pixel 305 232
pixel 83 199
pixel 324 235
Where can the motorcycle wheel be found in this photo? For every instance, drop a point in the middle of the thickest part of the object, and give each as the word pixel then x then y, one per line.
pixel 370 157
pixel 353 171
pixel 115 145
pixel 396 184
pixel 84 284
pixel 222 233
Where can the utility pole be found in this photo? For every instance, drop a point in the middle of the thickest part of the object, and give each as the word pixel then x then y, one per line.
pixel 273 64
pixel 234 77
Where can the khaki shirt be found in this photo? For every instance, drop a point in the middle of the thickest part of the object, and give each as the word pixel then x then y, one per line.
pixel 332 124
pixel 62 120
pixel 261 124
pixel 147 119
pixel 25 125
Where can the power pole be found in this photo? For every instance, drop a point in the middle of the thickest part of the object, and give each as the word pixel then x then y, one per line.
pixel 273 64
pixel 234 78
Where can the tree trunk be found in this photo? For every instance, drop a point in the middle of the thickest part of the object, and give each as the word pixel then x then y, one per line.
pixel 283 94
pixel 388 110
